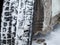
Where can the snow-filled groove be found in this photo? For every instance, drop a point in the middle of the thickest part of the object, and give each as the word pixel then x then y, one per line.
pixel 24 20
pixel 16 25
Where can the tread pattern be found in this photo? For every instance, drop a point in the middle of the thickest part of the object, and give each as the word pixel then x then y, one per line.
pixel 16 25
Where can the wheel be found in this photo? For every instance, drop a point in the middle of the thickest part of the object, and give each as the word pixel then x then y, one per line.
pixel 16 25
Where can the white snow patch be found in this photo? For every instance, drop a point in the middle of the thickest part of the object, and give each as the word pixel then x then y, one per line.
pixel 52 38
pixel 55 7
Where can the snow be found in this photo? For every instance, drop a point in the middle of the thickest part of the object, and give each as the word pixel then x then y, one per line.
pixel 55 7
pixel 53 38
pixel 24 18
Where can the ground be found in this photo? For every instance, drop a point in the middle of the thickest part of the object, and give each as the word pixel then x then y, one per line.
pixel 53 38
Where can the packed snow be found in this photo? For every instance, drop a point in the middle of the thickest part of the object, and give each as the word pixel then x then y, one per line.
pixel 53 38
